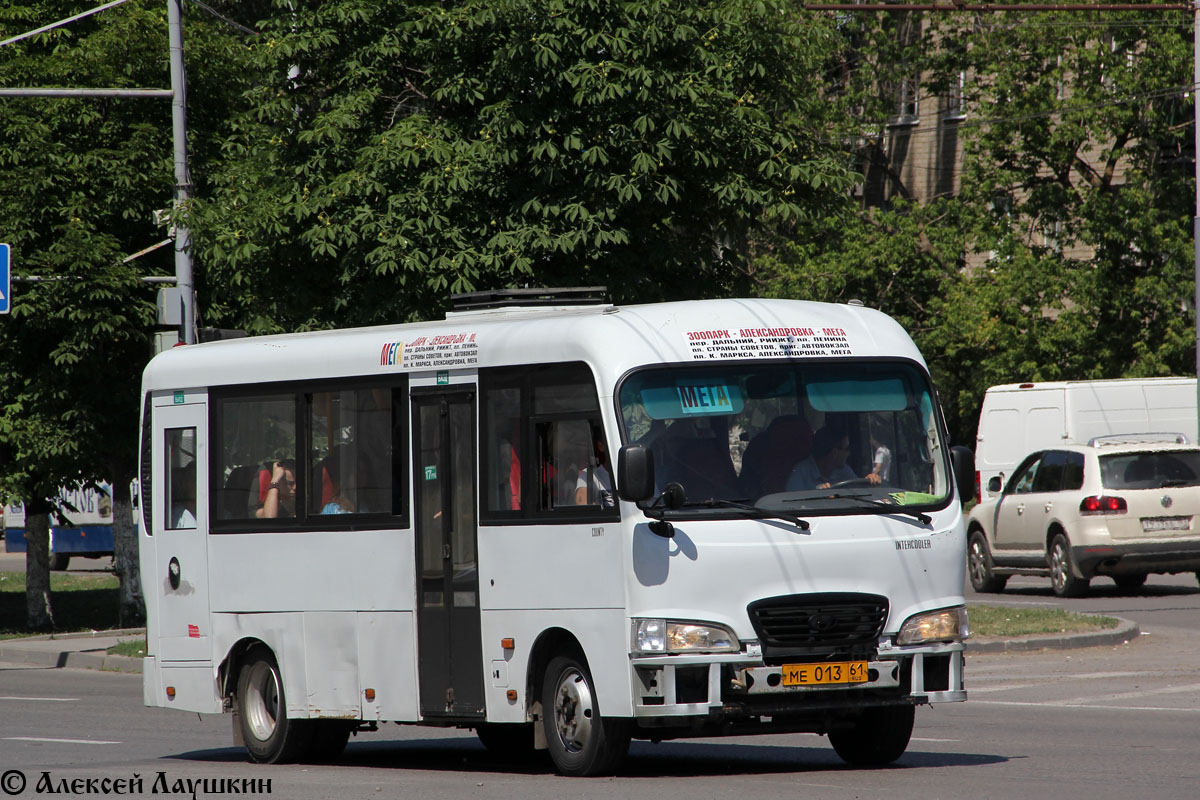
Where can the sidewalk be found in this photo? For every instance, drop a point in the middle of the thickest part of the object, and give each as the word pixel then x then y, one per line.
pixel 87 650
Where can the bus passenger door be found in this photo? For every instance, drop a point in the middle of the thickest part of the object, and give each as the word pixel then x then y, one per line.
pixel 180 527
pixel 450 654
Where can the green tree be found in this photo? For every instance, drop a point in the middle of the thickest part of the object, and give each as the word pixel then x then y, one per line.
pixel 1073 219
pixel 396 151
pixel 80 180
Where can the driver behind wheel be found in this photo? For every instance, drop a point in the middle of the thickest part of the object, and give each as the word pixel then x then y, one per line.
pixel 826 462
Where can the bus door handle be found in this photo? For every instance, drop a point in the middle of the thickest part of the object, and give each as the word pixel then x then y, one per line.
pixel 446 551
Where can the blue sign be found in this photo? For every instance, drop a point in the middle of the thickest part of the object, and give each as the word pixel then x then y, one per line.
pixel 5 280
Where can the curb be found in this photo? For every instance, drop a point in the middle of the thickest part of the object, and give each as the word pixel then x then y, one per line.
pixel 1124 632
pixel 39 651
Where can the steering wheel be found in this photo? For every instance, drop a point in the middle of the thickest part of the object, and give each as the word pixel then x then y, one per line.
pixel 853 483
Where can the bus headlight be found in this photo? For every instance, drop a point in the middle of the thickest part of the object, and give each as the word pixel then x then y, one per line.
pixel 944 625
pixel 669 636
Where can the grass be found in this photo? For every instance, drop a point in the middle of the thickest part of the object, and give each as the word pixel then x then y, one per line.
pixel 988 621
pixel 134 648
pixel 80 602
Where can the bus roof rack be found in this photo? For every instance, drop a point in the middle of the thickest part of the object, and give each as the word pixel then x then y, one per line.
pixel 507 298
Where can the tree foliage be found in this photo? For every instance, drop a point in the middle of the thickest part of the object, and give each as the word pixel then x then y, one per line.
pixel 80 180
pixel 398 151
pixel 1073 216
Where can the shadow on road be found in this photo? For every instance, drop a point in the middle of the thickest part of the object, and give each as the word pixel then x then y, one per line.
pixel 646 760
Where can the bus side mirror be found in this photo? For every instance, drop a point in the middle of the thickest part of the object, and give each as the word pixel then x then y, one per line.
pixel 635 473
pixel 963 462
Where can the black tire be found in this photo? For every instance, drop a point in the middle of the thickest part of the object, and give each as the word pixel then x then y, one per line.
pixel 582 743
pixel 59 561
pixel 979 565
pixel 875 737
pixel 329 738
pixel 510 741
pixel 1062 569
pixel 271 738
pixel 1129 583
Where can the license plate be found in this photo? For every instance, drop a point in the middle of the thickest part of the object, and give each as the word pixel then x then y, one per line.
pixel 1166 523
pixel 822 674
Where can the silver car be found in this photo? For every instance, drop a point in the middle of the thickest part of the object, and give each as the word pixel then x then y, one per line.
pixel 1121 506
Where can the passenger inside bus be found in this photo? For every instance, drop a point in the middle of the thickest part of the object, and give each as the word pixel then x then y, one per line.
pixel 594 484
pixel 279 494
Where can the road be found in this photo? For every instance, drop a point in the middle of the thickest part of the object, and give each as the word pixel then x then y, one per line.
pixel 1102 723
pixel 1099 723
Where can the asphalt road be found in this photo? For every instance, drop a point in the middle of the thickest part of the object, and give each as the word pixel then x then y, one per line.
pixel 1101 723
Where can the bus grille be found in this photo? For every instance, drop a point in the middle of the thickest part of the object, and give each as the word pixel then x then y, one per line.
pixel 819 625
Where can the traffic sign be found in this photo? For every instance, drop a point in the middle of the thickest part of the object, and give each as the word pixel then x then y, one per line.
pixel 5 280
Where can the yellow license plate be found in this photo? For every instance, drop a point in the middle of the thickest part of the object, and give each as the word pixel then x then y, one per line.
pixel 822 674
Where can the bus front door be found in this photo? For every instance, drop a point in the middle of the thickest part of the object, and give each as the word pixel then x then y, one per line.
pixel 450 653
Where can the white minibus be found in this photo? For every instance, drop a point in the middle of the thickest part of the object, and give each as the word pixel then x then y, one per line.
pixel 558 522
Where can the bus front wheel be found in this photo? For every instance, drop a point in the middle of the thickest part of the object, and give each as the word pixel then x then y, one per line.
pixel 271 738
pixel 581 742
pixel 875 737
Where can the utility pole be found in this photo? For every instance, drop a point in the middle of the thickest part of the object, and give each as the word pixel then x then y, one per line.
pixel 183 178
pixel 178 95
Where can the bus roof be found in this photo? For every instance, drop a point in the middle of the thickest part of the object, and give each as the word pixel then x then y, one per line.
pixel 613 339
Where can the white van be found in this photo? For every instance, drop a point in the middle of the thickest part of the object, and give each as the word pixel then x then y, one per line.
pixel 1019 418
pixel 422 524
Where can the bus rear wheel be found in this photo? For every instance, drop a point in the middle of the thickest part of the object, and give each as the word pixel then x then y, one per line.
pixel 271 738
pixel 875 737
pixel 581 742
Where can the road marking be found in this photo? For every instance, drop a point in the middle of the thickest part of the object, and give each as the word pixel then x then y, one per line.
pixel 55 741
pixel 44 699
pixel 1081 705
pixel 1127 695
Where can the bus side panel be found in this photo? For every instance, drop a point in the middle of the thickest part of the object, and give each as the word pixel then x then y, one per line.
pixel 387 664
pixel 284 635
pixel 602 633
pixel 194 686
pixel 313 571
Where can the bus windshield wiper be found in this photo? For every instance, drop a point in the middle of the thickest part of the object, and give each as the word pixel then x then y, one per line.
pixel 759 513
pixel 891 508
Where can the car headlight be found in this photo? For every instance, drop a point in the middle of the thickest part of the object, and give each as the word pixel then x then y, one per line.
pixel 669 636
pixel 943 625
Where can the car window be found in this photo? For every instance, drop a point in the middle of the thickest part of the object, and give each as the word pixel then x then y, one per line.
pixel 1049 476
pixel 1022 480
pixel 1150 470
pixel 1073 472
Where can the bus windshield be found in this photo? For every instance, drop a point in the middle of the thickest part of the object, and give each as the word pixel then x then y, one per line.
pixel 802 438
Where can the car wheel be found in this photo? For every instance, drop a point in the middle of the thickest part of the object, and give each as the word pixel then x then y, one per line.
pixel 1130 583
pixel 876 737
pixel 1062 569
pixel 979 565
pixel 271 738
pixel 581 742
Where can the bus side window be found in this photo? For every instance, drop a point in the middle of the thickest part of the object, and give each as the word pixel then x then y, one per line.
pixel 252 434
pixel 351 465
pixel 180 480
